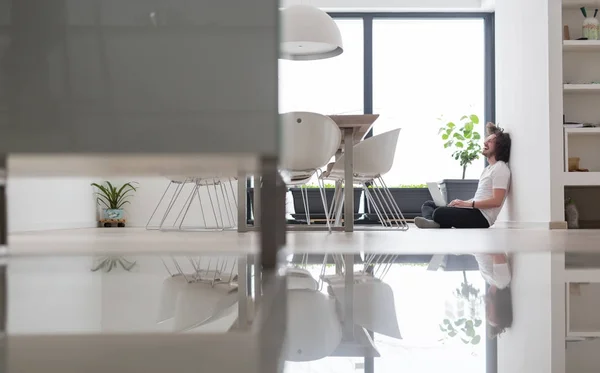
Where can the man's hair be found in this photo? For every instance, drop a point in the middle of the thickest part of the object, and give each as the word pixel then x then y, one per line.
pixel 503 142
pixel 501 301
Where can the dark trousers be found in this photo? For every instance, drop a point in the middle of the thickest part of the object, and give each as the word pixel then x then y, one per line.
pixel 454 217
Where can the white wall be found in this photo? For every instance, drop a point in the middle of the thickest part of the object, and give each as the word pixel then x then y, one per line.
pixel 50 203
pixel 527 104
pixel 535 341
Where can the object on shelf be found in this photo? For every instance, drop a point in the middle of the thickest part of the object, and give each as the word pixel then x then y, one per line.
pixel 572 214
pixel 590 25
pixel 566 33
pixel 574 165
pixel 573 125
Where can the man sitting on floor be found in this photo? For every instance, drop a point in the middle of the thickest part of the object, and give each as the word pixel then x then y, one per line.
pixel 495 270
pixel 483 209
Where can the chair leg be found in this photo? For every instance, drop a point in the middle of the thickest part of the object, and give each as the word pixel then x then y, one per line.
pixel 173 201
pixel 375 206
pixel 185 207
pixel 304 194
pixel 403 225
pixel 158 205
pixel 323 198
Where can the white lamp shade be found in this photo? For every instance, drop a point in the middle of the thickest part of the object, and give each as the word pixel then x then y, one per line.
pixel 308 33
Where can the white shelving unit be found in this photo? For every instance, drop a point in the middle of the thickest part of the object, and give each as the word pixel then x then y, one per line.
pixel 581 90
pixel 168 88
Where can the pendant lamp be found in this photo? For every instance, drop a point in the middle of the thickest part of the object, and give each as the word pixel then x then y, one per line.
pixel 308 33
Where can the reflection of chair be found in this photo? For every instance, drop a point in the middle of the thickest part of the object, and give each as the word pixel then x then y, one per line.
pixel 313 330
pixel 203 296
pixel 373 158
pixel 373 306
pixel 309 141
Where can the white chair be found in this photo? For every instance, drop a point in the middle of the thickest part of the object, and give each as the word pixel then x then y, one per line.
pixel 373 158
pixel 222 202
pixel 309 141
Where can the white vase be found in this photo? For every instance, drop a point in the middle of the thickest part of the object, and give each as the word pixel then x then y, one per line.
pixel 590 28
pixel 572 215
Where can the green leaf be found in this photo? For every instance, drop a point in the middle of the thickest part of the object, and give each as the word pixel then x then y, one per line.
pixel 470 332
pixel 452 334
pixel 445 136
pixel 458 136
pixel 450 125
pixel 474 118
pixel 443 329
pixel 476 136
pixel 459 322
pixel 469 324
pixel 464 117
pixel 476 340
pixel 469 127
pixel 447 321
pixel 459 144
pixel 446 145
pixel 465 341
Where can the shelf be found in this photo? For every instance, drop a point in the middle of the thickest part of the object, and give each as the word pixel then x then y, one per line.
pixel 583 131
pixel 582 335
pixel 591 88
pixel 578 4
pixel 582 178
pixel 581 45
pixel 104 165
pixel 583 276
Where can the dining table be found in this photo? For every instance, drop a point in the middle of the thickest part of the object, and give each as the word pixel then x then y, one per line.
pixel 354 128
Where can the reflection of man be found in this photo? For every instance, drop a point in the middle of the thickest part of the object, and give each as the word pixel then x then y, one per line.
pixel 495 270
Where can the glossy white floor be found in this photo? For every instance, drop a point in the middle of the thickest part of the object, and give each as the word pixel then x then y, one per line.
pixel 413 241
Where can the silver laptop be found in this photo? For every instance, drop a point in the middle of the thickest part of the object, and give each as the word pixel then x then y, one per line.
pixel 436 194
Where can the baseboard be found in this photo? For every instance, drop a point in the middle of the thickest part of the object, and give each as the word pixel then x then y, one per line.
pixel 528 225
pixel 558 225
pixel 55 226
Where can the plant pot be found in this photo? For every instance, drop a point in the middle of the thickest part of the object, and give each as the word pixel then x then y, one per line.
pixel 409 200
pixel 315 205
pixel 114 214
pixel 458 189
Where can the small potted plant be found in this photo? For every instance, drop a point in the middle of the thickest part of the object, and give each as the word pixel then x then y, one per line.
pixel 112 199
pixel 464 141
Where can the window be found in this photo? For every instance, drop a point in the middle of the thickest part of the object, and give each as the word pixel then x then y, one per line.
pixel 330 86
pixel 423 69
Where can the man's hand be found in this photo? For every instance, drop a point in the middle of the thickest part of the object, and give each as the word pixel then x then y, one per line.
pixel 460 203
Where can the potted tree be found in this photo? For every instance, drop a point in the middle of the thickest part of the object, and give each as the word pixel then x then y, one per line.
pixel 464 321
pixel 112 200
pixel 464 141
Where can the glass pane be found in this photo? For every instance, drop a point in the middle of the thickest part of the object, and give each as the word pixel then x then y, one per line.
pixel 421 309
pixel 422 70
pixel 330 86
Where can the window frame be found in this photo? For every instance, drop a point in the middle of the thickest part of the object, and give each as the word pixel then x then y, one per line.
pixel 489 96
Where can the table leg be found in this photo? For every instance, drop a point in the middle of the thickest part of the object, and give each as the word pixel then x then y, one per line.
pixel 257 203
pixel 348 331
pixel 349 180
pixel 242 202
pixel 3 263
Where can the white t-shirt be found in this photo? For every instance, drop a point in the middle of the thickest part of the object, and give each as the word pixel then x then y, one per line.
pixel 497 275
pixel 496 176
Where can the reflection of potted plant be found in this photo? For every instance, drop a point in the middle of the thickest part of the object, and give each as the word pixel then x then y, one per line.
pixel 464 141
pixel 459 324
pixel 408 197
pixel 112 199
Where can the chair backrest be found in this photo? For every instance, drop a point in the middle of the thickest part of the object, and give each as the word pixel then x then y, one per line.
pixel 375 155
pixel 309 140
